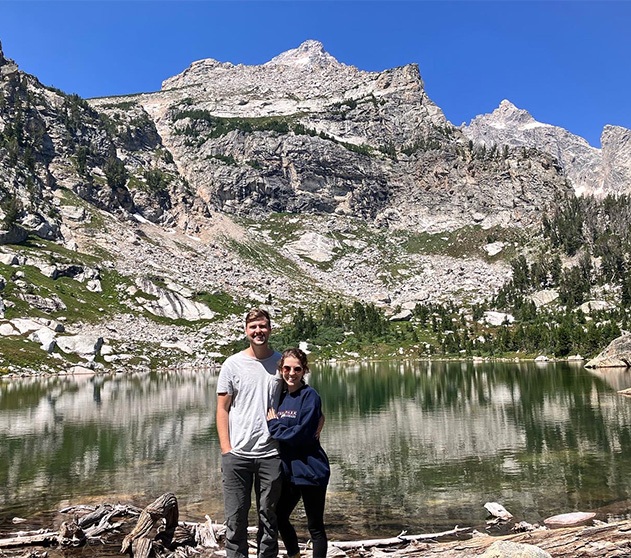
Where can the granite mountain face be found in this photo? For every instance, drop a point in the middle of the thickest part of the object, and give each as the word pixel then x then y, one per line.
pixel 302 133
pixel 286 182
pixel 306 133
pixel 590 170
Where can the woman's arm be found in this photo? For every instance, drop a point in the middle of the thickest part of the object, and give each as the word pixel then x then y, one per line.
pixel 303 432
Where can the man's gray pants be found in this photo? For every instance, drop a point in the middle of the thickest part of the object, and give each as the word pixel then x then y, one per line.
pixel 240 474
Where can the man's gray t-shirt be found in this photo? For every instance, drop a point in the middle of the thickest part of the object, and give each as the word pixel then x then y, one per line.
pixel 255 386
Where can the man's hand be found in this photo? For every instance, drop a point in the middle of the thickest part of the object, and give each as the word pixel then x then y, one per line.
pixel 320 427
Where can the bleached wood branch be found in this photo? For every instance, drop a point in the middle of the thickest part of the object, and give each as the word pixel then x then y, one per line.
pixel 400 539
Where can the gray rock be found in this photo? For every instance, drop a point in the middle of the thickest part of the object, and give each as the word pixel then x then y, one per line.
pixel 404 315
pixel 45 337
pixel 590 170
pixel 171 305
pixel 616 160
pixel 48 304
pixel 497 318
pixel 594 305
pixel 9 259
pixel 494 248
pixel 314 246
pixel 83 345
pixel 573 519
pixel 15 235
pixel 73 212
pixel 543 297
pixel 616 355
pixel 508 549
pixel 7 329
pixel 25 325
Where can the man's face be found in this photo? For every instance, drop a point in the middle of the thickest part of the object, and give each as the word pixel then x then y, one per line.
pixel 257 332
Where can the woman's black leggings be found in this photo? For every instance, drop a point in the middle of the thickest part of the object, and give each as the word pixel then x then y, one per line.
pixel 313 498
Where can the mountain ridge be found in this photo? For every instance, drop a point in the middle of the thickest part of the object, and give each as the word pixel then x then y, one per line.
pixel 590 170
pixel 282 184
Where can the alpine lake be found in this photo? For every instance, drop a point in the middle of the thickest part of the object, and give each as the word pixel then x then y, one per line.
pixel 414 446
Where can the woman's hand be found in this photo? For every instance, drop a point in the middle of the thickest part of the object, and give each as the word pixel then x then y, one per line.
pixel 271 414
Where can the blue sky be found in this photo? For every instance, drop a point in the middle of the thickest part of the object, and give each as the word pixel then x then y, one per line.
pixel 568 63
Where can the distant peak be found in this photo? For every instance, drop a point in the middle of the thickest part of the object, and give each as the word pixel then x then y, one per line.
pixel 506 105
pixel 507 111
pixel 8 66
pixel 309 53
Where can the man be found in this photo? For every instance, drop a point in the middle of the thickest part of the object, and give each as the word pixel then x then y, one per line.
pixel 247 387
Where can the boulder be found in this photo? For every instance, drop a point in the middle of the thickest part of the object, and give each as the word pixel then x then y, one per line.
pixel 7 328
pixel 497 510
pixel 73 212
pixel 15 235
pixel 381 298
pixel 171 305
pixel 593 306
pixel 94 285
pixel 404 315
pixel 508 549
pixel 78 369
pixel 84 345
pixel 573 519
pixel 616 355
pixel 497 318
pixel 180 346
pixel 9 259
pixel 45 337
pixel 314 246
pixel 543 297
pixel 494 248
pixel 24 325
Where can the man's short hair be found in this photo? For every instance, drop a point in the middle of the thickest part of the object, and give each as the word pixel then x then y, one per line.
pixel 257 314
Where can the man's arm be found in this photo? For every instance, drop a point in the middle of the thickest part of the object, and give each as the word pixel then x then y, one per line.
pixel 224 400
pixel 320 427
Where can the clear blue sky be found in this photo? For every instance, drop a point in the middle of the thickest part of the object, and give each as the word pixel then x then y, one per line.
pixel 568 63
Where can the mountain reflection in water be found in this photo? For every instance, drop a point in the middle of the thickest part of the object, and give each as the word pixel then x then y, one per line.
pixel 413 446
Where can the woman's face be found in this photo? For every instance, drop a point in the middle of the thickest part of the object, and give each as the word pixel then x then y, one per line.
pixel 292 372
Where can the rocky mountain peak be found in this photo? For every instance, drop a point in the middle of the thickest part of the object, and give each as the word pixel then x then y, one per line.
pixel 514 127
pixel 616 159
pixel 507 114
pixel 7 66
pixel 309 53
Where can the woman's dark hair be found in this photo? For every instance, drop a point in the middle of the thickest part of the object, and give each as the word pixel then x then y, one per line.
pixel 297 353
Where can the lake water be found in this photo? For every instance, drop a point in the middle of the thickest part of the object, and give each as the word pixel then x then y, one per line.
pixel 414 446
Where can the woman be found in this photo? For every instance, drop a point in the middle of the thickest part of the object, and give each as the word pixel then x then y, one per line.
pixel 305 465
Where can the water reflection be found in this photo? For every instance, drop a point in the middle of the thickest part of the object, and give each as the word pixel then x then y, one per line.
pixel 414 446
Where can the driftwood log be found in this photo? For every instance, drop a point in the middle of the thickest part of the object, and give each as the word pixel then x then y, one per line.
pixel 158 533
pixel 610 540
pixel 75 532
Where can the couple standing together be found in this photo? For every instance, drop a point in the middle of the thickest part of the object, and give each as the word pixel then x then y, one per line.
pixel 268 422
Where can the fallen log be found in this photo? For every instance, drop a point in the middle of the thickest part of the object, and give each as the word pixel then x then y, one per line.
pixel 400 539
pixel 43 537
pixel 159 530
pixel 611 540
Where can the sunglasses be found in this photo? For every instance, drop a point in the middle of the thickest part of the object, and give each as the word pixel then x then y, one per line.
pixel 290 368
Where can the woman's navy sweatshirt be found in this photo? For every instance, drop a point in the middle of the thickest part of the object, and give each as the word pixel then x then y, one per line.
pixel 304 460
